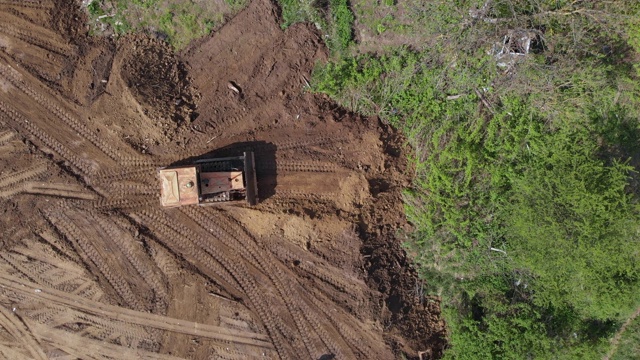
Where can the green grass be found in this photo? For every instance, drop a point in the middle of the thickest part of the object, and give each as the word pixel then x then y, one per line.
pixel 335 20
pixel 629 345
pixel 178 22
pixel 525 213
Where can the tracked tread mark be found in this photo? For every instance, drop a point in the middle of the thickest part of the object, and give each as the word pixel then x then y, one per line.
pixel 353 340
pixel 123 203
pixel 135 189
pixel 20 332
pixel 111 326
pixel 320 140
pixel 60 190
pixel 126 174
pixel 328 340
pixel 295 194
pixel 26 37
pixel 14 78
pixel 67 227
pixel 313 270
pixel 348 334
pixel 23 175
pixel 251 253
pixel 240 275
pixel 29 273
pixel 14 117
pixel 84 347
pixel 5 136
pixel 298 166
pixel 138 318
pixel 125 242
pixel 170 237
pixel 26 3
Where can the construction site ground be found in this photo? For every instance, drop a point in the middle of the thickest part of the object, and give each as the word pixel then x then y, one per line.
pixel 93 267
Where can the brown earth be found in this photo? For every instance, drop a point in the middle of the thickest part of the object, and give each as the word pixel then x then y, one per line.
pixel 92 267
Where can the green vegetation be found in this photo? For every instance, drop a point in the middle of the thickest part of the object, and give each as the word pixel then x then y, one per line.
pixel 333 17
pixel 525 197
pixel 629 345
pixel 178 22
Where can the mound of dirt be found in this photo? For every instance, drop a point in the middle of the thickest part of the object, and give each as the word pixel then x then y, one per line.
pixel 157 79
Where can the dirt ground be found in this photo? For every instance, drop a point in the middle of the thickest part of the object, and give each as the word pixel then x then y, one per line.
pixel 92 267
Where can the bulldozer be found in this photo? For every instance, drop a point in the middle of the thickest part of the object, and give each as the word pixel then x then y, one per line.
pixel 210 181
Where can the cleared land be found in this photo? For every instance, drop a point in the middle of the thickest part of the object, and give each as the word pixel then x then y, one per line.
pixel 93 267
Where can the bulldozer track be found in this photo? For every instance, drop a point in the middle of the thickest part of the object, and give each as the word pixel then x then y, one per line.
pixel 25 288
pixel 311 269
pixel 125 242
pixel 240 275
pixel 18 120
pixel 298 166
pixel 14 78
pixel 59 190
pixel 125 174
pixel 295 194
pixel 5 136
pixel 141 189
pixel 26 37
pixel 20 332
pixel 354 340
pixel 83 347
pixel 23 175
pixel 176 241
pixel 124 203
pixel 75 235
pixel 27 3
pixel 251 253
pixel 320 140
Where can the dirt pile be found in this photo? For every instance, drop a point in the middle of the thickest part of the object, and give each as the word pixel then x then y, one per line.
pixel 157 79
pixel 88 255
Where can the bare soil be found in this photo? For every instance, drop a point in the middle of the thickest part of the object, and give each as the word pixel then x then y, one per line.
pixel 92 267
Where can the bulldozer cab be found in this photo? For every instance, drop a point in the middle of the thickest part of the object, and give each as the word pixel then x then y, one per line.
pixel 210 181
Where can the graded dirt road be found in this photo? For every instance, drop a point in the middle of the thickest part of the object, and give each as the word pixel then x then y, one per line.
pixel 92 267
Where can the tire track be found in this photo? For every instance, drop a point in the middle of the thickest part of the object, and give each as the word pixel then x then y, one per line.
pixel 5 136
pixel 84 347
pixel 295 194
pixel 67 227
pixel 314 141
pixel 14 77
pixel 298 166
pixel 131 316
pixel 125 242
pixel 12 116
pixel 30 39
pixel 33 4
pixel 251 253
pixel 124 203
pixel 181 245
pixel 58 190
pixel 236 269
pixel 23 175
pixel 20 332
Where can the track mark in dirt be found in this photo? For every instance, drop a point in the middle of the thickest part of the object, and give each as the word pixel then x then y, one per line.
pixel 20 331
pixel 22 175
pixel 71 191
pixel 26 288
pixel 35 4
pixel 84 224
